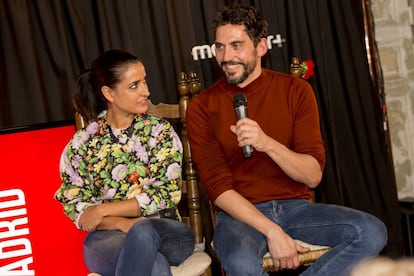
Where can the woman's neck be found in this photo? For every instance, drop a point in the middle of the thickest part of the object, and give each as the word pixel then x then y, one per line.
pixel 119 122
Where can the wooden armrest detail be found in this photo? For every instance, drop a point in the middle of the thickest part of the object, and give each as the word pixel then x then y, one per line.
pixel 306 258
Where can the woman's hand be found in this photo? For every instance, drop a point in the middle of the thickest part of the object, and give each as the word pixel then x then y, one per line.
pixel 105 216
pixel 90 218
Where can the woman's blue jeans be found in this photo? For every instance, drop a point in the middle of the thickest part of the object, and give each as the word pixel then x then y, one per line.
pixel 149 248
pixel 352 234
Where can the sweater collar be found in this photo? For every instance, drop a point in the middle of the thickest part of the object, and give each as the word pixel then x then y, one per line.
pixel 255 85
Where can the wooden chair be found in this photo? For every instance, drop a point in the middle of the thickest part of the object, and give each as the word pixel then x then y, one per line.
pixel 189 86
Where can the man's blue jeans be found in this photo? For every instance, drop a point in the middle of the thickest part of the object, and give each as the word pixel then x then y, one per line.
pixel 149 248
pixel 352 234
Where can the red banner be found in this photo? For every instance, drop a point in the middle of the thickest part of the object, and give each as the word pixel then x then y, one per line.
pixel 36 238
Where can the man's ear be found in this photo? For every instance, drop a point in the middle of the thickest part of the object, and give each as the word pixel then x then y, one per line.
pixel 107 93
pixel 262 47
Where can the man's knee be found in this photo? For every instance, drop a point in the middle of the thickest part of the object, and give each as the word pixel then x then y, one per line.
pixel 368 233
pixel 238 263
pixel 376 235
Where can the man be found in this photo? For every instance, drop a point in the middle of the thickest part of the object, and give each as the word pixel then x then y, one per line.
pixel 264 200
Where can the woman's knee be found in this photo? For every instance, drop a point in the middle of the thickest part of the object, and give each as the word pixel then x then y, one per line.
pixel 142 230
pixel 101 250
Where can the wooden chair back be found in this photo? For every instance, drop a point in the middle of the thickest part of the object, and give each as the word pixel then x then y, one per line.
pixel 162 110
pixel 189 85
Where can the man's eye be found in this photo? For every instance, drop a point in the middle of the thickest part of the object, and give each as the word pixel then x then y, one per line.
pixel 219 47
pixel 237 46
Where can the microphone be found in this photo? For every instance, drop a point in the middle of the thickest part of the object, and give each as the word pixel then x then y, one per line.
pixel 240 107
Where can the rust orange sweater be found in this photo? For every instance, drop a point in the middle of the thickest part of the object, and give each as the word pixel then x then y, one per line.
pixel 285 108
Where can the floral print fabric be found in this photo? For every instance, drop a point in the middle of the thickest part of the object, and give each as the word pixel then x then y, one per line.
pixel 143 161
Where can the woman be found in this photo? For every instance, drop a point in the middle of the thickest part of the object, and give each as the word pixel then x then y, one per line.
pixel 121 175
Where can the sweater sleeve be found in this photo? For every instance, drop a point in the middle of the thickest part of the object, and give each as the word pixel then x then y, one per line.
pixel 74 192
pixel 307 136
pixel 206 150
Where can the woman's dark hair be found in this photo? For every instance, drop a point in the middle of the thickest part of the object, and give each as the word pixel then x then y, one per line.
pixel 106 70
pixel 253 21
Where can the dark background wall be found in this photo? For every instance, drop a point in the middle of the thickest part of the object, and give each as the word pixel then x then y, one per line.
pixel 45 44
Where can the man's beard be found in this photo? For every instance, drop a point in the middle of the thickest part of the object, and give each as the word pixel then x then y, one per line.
pixel 247 69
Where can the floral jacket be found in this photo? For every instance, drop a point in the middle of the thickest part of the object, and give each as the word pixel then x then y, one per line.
pixel 143 161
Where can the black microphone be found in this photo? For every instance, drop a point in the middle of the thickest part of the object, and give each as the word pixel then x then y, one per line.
pixel 240 107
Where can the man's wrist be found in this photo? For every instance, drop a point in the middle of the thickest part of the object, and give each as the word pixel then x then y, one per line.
pixel 273 230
